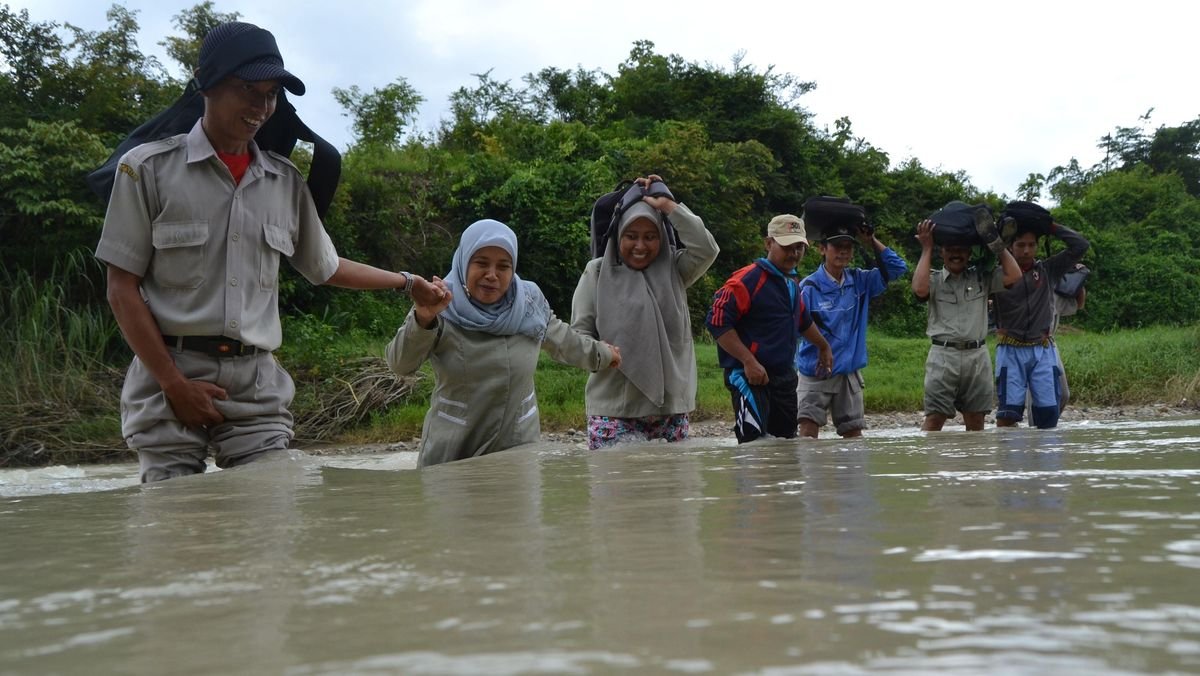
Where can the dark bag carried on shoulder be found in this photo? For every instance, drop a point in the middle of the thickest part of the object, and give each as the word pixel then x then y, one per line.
pixel 1072 281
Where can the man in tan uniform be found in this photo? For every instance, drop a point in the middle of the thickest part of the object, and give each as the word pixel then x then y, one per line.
pixel 195 229
pixel 958 370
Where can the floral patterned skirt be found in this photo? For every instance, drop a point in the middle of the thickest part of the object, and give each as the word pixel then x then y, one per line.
pixel 606 431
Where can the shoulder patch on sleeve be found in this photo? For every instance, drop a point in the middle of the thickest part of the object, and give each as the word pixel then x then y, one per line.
pixel 285 161
pixel 136 156
pixel 127 170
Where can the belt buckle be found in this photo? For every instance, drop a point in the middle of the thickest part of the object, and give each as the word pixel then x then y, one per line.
pixel 227 347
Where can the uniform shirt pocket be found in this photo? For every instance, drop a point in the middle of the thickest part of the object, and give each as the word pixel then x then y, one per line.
pixel 179 253
pixel 974 292
pixel 279 242
pixel 947 297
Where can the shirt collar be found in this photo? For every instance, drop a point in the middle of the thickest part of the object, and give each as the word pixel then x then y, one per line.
pixel 830 282
pixel 199 149
pixel 770 267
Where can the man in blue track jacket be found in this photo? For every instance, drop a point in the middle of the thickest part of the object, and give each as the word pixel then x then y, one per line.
pixel 838 297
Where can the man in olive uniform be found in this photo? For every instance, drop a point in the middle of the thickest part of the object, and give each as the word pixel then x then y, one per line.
pixel 195 228
pixel 958 370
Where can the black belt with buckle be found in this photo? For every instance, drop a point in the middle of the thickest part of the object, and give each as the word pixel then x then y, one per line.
pixel 213 346
pixel 960 345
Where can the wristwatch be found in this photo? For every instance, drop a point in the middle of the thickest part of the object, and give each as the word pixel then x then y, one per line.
pixel 407 290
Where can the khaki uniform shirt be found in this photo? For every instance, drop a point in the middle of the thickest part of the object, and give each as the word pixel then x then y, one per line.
pixel 484 399
pixel 207 250
pixel 958 304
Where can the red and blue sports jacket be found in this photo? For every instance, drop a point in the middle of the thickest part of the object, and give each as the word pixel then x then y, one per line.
pixel 764 306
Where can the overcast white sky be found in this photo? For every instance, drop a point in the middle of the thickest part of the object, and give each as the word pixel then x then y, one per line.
pixel 998 89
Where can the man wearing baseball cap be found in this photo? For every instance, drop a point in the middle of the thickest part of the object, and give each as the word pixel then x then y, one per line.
pixel 196 226
pixel 838 297
pixel 757 318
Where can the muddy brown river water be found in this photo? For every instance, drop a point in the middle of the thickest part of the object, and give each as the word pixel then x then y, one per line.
pixel 1075 550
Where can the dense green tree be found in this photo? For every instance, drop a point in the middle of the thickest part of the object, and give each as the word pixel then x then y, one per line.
pixel 1177 150
pixel 33 56
pixel 194 23
pixel 1169 150
pixel 1030 189
pixel 733 142
pixel 1145 257
pixel 46 211
pixel 381 115
pixel 65 104
pixel 581 96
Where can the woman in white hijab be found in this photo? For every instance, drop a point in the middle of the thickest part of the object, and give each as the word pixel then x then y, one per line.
pixel 635 297
pixel 483 340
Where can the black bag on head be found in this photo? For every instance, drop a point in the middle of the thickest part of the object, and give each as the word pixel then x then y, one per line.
pixel 956 225
pixel 1019 217
pixel 607 210
pixel 824 214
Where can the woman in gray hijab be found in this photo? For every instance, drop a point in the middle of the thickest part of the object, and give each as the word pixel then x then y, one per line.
pixel 483 340
pixel 635 297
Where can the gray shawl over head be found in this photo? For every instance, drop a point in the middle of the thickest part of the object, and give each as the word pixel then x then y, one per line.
pixel 640 310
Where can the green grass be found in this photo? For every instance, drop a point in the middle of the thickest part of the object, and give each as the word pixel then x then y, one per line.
pixel 1155 365
pixel 895 373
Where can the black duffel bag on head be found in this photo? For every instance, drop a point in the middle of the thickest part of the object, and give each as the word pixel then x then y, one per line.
pixel 825 215
pixel 955 224
pixel 1020 217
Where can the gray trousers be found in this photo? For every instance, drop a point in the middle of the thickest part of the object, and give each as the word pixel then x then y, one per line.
pixel 257 420
pixel 840 395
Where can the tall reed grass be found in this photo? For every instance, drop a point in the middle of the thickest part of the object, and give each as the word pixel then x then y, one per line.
pixel 58 391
